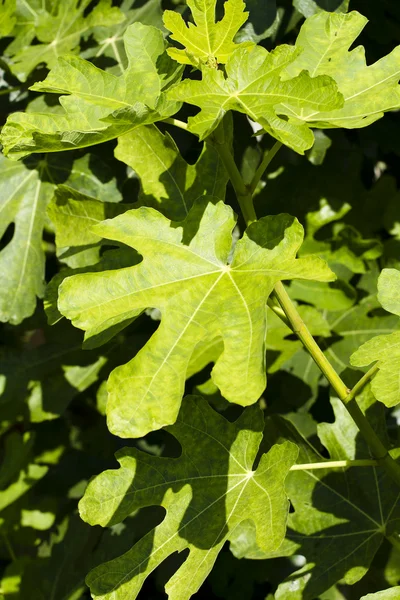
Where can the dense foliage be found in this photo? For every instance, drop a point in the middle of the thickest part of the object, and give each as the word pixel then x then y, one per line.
pixel 175 420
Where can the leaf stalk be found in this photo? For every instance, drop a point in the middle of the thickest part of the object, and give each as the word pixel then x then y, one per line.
pixel 296 323
pixel 335 464
pixel 268 156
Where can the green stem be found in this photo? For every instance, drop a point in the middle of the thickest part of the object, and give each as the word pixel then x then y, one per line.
pixel 176 122
pixel 360 385
pixel 9 547
pixel 347 396
pixel 243 193
pixel 378 449
pixel 268 156
pixel 335 464
pixel 9 90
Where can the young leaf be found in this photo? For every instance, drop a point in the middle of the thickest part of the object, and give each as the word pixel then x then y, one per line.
pixel 206 42
pixel 99 106
pixel 206 492
pixel 58 28
pixel 368 91
pixel 186 276
pixel 253 86
pixel 169 183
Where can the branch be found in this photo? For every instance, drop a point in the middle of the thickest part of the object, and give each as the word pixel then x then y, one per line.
pixel 347 396
pixel 378 449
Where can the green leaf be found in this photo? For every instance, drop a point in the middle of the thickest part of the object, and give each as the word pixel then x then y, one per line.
pixel 169 183
pixel 253 86
pixel 206 492
pixel 23 200
pixel 309 7
pixel 58 28
pixel 389 290
pixel 7 17
pixel 186 276
pixel 340 516
pixel 368 91
pixel 353 327
pixel 384 348
pixel 206 42
pixel 389 594
pixel 73 214
pixel 110 37
pixel 99 106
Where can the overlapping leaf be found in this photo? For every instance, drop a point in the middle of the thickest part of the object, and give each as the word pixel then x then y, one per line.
pixel 253 86
pixel 206 42
pixel 99 106
pixel 7 16
pixel 186 276
pixel 368 91
pixel 206 492
pixel 25 191
pixel 341 516
pixel 58 26
pixel 389 594
pixel 110 38
pixel 384 348
pixel 168 182
pixel 23 200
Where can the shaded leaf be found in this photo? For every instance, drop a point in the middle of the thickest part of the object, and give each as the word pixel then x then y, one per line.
pixel 309 7
pixel 58 28
pixel 110 38
pixel 206 492
pixel 340 516
pixel 23 200
pixel 168 182
pixel 199 296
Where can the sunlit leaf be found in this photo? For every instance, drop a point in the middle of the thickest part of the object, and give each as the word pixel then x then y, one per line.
pixel 206 42
pixel 253 86
pixel 368 91
pixel 98 106
pixel 206 493
pixel 186 276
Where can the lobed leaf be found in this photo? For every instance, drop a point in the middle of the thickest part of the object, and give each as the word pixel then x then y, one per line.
pixel 206 42
pixel 99 106
pixel 168 182
pixel 368 91
pixel 43 32
pixel 185 275
pixel 340 516
pixel 207 493
pixel 253 86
